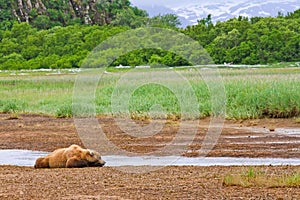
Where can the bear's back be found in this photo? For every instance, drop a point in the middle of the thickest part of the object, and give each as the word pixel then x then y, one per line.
pixel 57 158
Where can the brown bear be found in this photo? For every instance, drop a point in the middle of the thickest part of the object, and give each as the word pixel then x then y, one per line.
pixel 72 156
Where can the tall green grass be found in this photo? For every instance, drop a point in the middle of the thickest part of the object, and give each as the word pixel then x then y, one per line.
pixel 270 96
pixel 250 93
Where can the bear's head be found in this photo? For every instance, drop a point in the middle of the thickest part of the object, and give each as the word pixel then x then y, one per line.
pixel 93 158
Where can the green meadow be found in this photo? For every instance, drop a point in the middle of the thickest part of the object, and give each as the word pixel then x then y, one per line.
pixel 250 92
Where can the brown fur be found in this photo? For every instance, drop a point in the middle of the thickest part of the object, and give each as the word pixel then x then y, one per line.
pixel 72 156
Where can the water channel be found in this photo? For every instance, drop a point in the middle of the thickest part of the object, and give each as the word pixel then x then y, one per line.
pixel 27 158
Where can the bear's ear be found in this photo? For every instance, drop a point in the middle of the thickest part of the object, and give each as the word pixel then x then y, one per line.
pixel 91 153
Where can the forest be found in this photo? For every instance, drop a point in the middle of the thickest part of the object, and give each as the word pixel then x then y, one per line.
pixel 60 34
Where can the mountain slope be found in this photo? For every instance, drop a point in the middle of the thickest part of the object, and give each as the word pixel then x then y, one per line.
pixel 61 12
pixel 189 11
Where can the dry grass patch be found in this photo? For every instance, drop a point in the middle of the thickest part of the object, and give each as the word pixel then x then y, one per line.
pixel 252 177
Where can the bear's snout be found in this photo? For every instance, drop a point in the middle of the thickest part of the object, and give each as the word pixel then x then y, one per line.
pixel 98 163
pixel 101 162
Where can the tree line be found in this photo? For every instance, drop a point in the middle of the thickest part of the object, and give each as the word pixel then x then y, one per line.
pixel 256 40
pixel 27 45
pixel 45 14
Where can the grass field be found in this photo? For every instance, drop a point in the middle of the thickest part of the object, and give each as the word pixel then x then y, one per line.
pixel 250 92
pixel 251 177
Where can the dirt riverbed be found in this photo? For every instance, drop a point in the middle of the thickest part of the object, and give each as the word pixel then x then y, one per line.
pixel 239 138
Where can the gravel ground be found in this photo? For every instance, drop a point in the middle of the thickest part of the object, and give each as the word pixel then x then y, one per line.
pixel 249 138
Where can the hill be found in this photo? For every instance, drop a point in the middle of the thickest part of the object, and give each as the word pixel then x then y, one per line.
pixel 49 13
pixel 38 34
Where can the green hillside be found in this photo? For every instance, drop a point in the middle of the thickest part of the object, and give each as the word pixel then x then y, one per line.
pixel 49 13
pixel 59 34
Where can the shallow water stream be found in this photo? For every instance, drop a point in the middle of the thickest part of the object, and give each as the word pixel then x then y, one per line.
pixel 27 158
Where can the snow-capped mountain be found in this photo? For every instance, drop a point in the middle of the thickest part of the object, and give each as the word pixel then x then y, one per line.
pixel 189 11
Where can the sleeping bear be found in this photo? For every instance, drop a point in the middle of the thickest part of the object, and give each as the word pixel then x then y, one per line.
pixel 72 156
